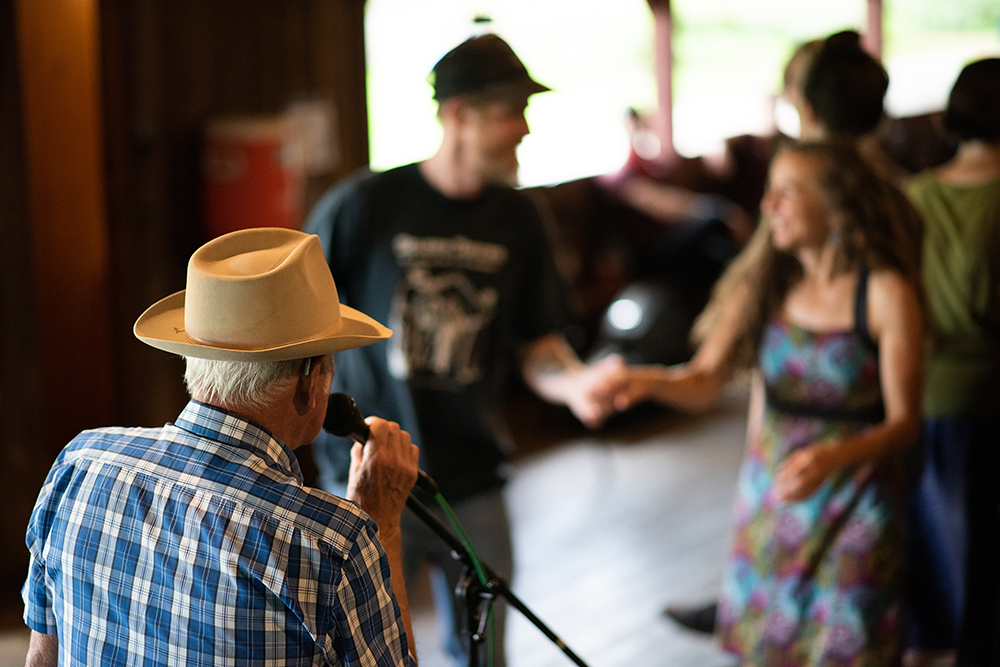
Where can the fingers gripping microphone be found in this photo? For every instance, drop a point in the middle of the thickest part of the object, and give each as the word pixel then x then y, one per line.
pixel 344 419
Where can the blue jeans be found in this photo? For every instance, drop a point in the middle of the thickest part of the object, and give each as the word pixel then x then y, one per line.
pixel 954 543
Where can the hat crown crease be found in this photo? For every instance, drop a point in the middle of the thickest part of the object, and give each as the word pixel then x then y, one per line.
pixel 255 298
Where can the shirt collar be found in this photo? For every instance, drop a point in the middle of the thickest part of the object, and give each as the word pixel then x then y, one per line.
pixel 230 429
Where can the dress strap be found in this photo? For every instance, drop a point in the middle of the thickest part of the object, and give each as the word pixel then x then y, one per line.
pixel 861 310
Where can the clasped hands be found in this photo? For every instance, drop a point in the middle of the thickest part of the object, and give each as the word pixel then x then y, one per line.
pixel 605 387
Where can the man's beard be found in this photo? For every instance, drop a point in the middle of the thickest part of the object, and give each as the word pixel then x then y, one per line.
pixel 500 171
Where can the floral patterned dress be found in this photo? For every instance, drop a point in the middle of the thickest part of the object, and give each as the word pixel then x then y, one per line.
pixel 815 582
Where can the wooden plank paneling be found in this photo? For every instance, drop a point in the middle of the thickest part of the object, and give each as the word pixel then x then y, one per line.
pixel 24 466
pixel 58 43
pixel 150 245
pixel 171 66
pixel 337 56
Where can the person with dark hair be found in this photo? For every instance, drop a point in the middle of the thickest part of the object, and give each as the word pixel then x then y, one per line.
pixel 822 305
pixel 198 543
pixel 844 87
pixel 836 87
pixel 459 263
pixel 973 111
pixel 955 546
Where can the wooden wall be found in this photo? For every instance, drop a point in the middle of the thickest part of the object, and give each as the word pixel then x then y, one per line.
pixel 21 471
pixel 169 66
pixel 164 68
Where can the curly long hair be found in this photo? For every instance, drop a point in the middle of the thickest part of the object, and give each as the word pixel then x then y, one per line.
pixel 881 230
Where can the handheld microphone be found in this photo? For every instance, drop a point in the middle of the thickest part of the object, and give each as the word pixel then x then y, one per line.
pixel 343 418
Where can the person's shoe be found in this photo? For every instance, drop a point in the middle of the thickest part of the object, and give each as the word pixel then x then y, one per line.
pixel 700 617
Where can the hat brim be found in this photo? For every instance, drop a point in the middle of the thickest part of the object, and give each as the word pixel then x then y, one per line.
pixel 162 327
pixel 523 88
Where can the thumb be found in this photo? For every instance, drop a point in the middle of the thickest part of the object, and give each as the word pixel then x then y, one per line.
pixel 357 455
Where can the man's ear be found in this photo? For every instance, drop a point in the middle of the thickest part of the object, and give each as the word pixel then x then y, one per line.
pixel 455 109
pixel 310 385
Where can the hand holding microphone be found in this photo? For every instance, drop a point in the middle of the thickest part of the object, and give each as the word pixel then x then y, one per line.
pixel 345 420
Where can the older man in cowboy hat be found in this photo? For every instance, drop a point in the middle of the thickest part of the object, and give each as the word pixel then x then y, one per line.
pixel 196 543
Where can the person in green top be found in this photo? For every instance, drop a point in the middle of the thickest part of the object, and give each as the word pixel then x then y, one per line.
pixel 955 537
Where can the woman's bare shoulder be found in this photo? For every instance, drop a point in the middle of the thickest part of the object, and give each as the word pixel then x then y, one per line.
pixel 892 299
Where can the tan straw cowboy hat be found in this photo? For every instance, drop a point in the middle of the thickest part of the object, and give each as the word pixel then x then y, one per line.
pixel 263 294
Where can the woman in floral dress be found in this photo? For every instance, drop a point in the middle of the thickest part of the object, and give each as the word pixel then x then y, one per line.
pixel 823 306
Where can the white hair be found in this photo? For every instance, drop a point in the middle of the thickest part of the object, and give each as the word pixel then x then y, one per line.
pixel 244 384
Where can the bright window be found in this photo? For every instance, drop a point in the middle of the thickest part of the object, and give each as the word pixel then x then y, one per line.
pixel 927 44
pixel 598 56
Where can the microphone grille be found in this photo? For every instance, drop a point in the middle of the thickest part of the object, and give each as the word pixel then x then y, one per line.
pixel 342 415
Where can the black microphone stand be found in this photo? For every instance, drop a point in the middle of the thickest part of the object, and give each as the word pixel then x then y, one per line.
pixel 476 596
pixel 345 420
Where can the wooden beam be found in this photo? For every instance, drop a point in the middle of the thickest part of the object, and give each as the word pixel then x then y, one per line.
pixel 664 28
pixel 873 34
pixel 58 44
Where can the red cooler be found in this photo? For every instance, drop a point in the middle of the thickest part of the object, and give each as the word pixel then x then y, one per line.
pixel 252 170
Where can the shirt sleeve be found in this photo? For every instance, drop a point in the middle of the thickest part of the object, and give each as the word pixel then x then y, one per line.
pixel 370 623
pixel 37 606
pixel 38 613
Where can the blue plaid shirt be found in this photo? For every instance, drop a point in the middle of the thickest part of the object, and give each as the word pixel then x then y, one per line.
pixel 197 544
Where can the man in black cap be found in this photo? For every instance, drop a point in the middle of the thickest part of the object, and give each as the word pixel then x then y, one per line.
pixel 457 262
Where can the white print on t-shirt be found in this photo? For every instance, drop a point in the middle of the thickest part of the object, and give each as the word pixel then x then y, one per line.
pixel 455 252
pixel 438 312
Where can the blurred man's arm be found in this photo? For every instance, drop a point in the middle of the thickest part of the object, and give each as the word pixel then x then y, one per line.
pixel 43 650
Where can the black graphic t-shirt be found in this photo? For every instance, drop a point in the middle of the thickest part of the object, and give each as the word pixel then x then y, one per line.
pixel 461 283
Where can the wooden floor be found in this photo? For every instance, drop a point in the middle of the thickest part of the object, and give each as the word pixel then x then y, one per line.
pixel 610 528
